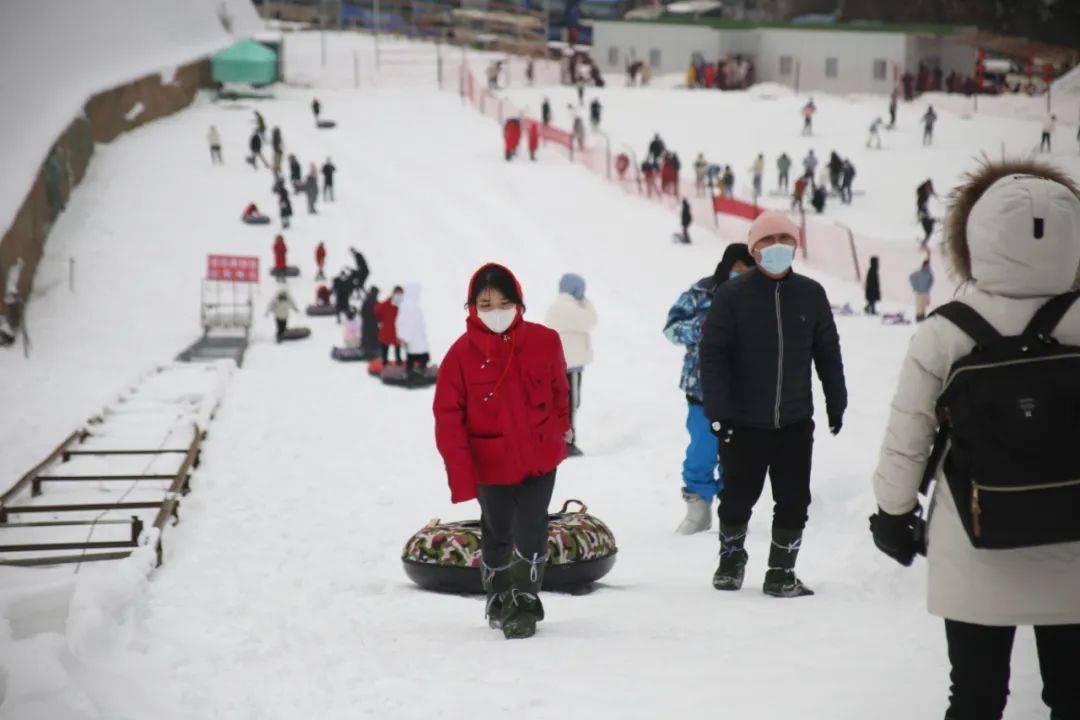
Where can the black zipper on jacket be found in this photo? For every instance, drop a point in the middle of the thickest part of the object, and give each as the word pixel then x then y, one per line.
pixel 780 359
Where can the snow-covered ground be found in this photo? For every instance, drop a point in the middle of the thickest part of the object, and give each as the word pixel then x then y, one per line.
pixel 282 594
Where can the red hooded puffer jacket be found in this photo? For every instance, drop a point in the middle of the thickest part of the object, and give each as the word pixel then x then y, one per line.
pixel 501 405
pixel 386 314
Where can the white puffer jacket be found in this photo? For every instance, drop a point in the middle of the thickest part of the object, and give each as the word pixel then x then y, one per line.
pixel 573 319
pixel 411 329
pixel 1014 273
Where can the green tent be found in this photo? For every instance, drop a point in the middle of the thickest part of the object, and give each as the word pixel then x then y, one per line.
pixel 245 62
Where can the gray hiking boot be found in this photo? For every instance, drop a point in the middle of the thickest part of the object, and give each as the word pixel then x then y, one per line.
pixel 698 514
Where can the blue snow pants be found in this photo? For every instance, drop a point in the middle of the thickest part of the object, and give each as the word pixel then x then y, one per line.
pixel 701 471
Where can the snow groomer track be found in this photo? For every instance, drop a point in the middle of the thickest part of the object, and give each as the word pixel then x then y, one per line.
pixel 116 483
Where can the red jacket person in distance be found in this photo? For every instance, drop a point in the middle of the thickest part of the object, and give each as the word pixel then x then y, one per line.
pixel 502 423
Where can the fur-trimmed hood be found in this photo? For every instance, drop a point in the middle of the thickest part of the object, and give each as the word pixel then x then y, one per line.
pixel 1013 229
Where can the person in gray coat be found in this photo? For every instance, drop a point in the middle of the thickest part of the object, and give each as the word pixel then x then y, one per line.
pixel 311 188
pixel 1014 261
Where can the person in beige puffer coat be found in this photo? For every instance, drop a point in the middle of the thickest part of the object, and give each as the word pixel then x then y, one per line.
pixel 984 594
pixel 574 318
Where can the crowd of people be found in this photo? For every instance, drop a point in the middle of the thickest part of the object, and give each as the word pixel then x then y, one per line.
pixel 734 72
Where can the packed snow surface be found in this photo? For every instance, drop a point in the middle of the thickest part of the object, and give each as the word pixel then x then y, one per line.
pixel 282 594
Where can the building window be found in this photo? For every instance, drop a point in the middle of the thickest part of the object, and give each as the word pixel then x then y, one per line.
pixel 654 58
pixel 880 69
pixel 613 56
pixel 785 64
pixel 832 67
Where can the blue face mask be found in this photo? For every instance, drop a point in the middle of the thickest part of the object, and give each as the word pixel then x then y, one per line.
pixel 733 274
pixel 776 259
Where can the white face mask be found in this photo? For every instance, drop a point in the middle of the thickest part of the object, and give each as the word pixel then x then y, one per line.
pixel 498 321
pixel 396 298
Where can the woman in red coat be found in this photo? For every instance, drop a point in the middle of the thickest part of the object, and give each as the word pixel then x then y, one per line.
pixel 502 424
pixel 279 253
pixel 386 313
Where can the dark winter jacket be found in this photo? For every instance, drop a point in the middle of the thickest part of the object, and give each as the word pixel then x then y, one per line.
pixel 685 214
pixel 341 290
pixel 656 148
pixel 757 345
pixel 328 170
pixel 294 169
pixel 873 283
pixel 369 324
pixel 255 144
pixel 501 405
pixel 545 113
pixel 275 141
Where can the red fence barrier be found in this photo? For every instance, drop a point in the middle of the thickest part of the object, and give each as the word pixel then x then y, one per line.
pixel 738 208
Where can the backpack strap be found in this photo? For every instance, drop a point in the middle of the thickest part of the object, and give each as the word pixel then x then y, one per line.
pixel 970 322
pixel 941 440
pixel 1049 315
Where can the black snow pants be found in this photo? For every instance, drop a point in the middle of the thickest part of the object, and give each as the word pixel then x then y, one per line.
pixel 573 380
pixel 280 328
pixel 514 517
pixel 980 655
pixel 784 454
pixel 386 353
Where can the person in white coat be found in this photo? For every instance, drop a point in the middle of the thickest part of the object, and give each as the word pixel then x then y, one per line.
pixel 574 318
pixel 412 331
pixel 1013 232
pixel 280 306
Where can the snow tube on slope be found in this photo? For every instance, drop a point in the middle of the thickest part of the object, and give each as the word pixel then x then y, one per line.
pixel 326 124
pixel 397 376
pixel 351 354
pixel 289 271
pixel 445 557
pixel 296 333
pixel 321 310
pixel 256 220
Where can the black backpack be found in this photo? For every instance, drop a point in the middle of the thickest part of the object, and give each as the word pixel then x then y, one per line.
pixel 1009 420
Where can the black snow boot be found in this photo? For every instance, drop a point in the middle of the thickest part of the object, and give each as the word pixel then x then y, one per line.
pixel 522 608
pixel 733 556
pixel 780 579
pixel 497 585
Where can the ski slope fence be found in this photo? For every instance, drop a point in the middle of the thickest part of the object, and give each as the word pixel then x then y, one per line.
pixel 827 246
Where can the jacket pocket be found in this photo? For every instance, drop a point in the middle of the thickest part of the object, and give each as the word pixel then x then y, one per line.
pixel 537 389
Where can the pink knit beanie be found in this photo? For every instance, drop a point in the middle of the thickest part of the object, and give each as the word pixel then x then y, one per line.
pixel 769 223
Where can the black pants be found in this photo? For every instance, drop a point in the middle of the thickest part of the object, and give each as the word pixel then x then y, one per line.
pixel 328 192
pixel 417 361
pixel 514 517
pixel 980 669
pixel 215 154
pixel 386 353
pixel 785 455
pixel 573 379
pixel 927 136
pixel 280 328
pixel 1044 142
pixel 783 183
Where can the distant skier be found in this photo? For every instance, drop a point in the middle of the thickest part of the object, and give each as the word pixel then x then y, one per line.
pixel 727 180
pixel 260 125
pixel 278 187
pixel 320 261
pixel 836 167
pixel 799 192
pixel 758 171
pixel 342 290
pixel 923 193
pixel 594 113
pixel 656 149
pixel 530 72
pixel 277 144
pixel 577 129
pixel 574 318
pixel 927 221
pixel 534 139
pixel 818 197
pixel 701 168
pixel 280 254
pixel 892 110
pixel 928 120
pixel 873 287
pixel 386 312
pixel 281 305
pixel 847 177
pixel 810 164
pixel 685 218
pixel 580 83
pixel 311 188
pixel 545 112
pixel 255 145
pixel 412 331
pixel 285 208
pixel 874 139
pixel 649 171
pixel 369 323
pixel 295 176
pixel 808 117
pixel 1047 133
pixel 701 473
pixel 316 109
pixel 328 170
pixel 921 281
pixel 783 166
pixel 511 137
pixel 214 139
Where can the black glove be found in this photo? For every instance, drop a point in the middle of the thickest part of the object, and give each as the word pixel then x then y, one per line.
pixel 836 422
pixel 723 430
pixel 895 535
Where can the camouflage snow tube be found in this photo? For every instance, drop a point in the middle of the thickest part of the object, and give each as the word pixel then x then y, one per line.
pixel 445 557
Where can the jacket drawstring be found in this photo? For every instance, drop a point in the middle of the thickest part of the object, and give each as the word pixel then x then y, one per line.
pixel 506 368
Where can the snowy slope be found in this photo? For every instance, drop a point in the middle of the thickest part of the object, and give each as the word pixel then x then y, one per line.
pixel 54 55
pixel 282 594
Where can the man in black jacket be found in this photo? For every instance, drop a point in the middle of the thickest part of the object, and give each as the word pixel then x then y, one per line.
pixel 763 332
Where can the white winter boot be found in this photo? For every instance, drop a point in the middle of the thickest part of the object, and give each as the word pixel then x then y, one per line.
pixel 698 514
